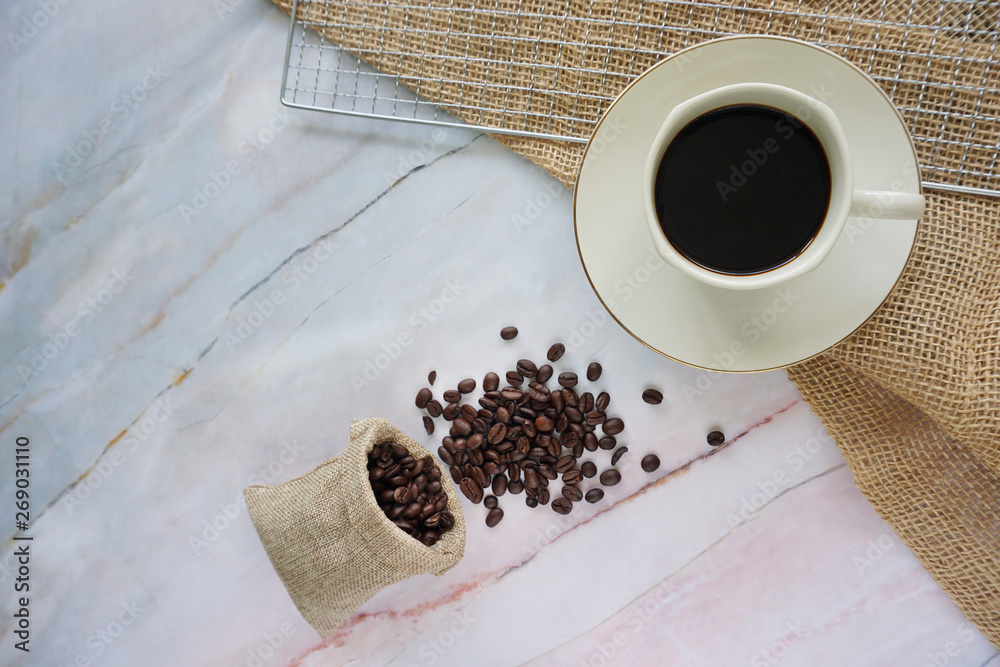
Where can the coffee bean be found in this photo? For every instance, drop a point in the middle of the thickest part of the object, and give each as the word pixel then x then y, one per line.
pixel 603 401
pixel 531 480
pixel 568 380
pixel 493 517
pixel 652 396
pixel 401 495
pixel 544 373
pixel 596 417
pixel 716 438
pixel 451 411
pixel 565 463
pixel 594 495
pixel 586 402
pixel 428 425
pixel 515 487
pixel 543 497
pixel 434 408
pixel 619 453
pixel 514 378
pixel 562 421
pixel 539 395
pixel 562 505
pixel 650 462
pixel 578 449
pixel 569 394
pixel 590 442
pixel 423 397
pixel 573 414
pixel 461 426
pixel 511 393
pixel 588 469
pixel 489 502
pixel 431 377
pixel 503 415
pixel 508 333
pixel 547 471
pixel 496 434
pixel 491 382
pixel 574 476
pixel 544 424
pixel 491 467
pixel 471 489
pixel 594 371
pixel 467 386
pixel 555 352
pixel 557 401
pixel 527 368
pixel 572 493
pixel 452 396
pixel 613 426
pixel 530 502
pixel 480 476
pixel 607 442
pixel 610 477
pixel 499 485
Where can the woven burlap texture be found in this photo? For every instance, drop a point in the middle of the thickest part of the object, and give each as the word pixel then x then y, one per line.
pixel 913 397
pixel 330 542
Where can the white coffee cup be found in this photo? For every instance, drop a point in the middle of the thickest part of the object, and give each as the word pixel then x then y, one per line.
pixel 845 201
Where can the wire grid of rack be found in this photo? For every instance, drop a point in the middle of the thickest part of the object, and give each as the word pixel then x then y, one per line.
pixel 549 69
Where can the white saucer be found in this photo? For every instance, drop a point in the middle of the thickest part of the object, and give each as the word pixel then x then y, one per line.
pixel 741 330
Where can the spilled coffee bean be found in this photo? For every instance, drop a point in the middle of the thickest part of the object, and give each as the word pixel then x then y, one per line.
pixel 594 371
pixel 423 398
pixel 619 453
pixel 409 492
pixel 652 396
pixel 431 377
pixel 610 477
pixel 562 505
pixel 716 438
pixel 493 517
pixel 526 436
pixel 650 462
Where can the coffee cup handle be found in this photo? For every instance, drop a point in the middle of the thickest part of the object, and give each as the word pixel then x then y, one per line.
pixel 887 205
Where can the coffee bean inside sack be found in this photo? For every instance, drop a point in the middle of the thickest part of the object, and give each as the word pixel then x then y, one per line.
pixel 532 430
pixel 409 492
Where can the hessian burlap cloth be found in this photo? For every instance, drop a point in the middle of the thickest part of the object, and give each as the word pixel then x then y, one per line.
pixel 330 542
pixel 913 397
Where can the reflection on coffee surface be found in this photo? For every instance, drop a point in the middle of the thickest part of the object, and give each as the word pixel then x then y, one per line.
pixel 742 189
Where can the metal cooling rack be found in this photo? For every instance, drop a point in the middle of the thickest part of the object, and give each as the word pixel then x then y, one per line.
pixel 560 102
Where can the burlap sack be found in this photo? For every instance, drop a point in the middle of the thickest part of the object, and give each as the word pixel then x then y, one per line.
pixel 913 397
pixel 330 542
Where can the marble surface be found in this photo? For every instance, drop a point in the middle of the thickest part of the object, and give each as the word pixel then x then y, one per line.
pixel 199 289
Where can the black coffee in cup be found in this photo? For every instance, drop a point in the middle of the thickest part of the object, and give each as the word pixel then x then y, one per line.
pixel 742 189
